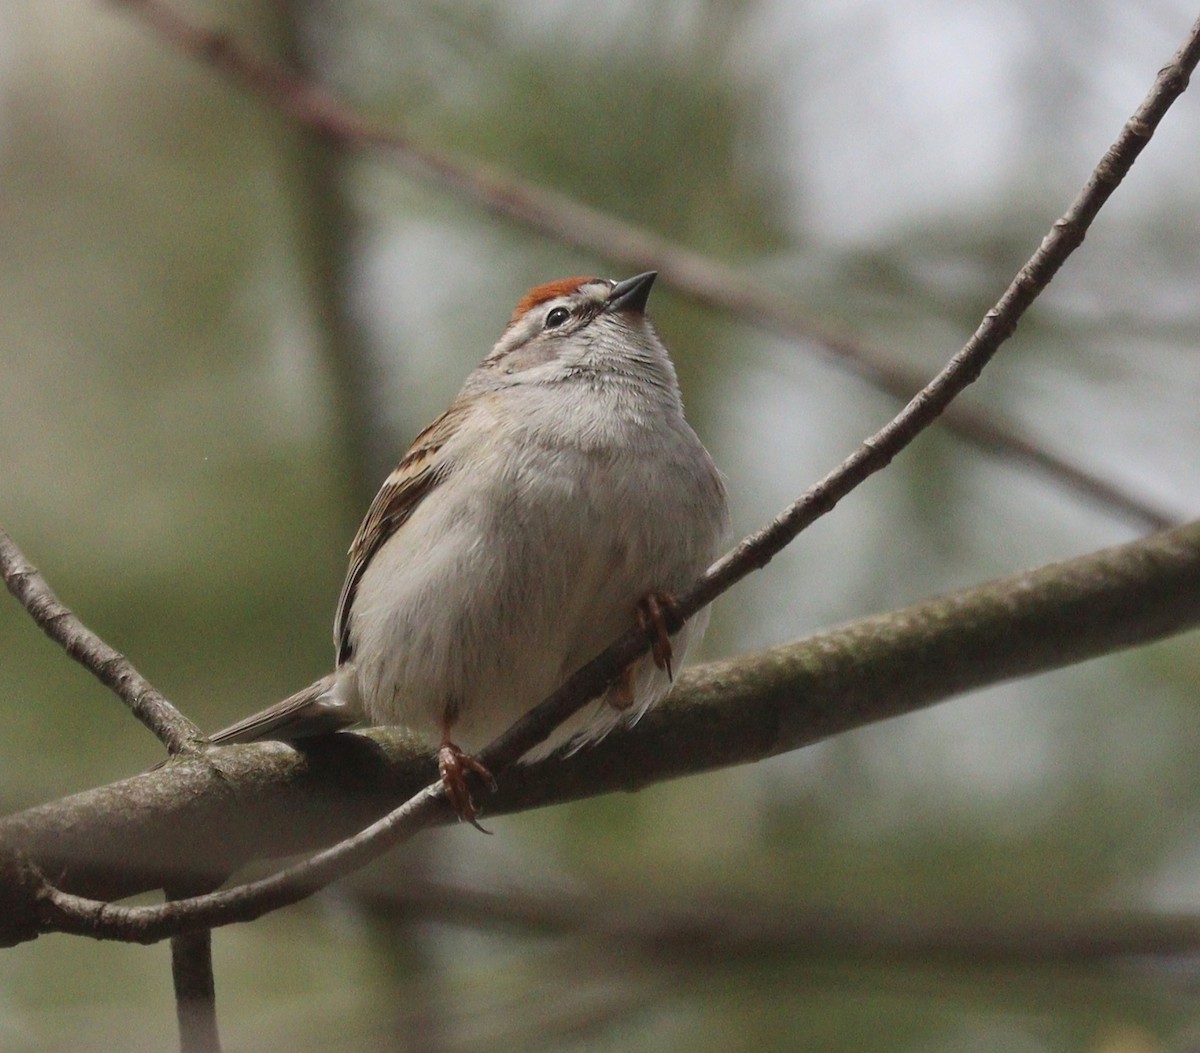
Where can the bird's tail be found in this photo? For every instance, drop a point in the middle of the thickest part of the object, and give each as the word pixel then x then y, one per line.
pixel 315 710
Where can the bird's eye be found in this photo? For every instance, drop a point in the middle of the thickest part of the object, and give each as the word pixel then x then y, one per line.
pixel 556 317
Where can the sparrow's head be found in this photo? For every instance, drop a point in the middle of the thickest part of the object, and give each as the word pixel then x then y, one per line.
pixel 581 327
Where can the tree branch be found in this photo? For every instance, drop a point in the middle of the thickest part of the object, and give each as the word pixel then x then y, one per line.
pixel 108 665
pixel 712 929
pixel 689 273
pixel 202 817
pixel 878 451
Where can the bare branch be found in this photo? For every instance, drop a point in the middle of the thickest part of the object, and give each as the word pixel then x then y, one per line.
pixel 712 929
pixel 208 815
pixel 690 273
pixel 878 451
pixel 108 665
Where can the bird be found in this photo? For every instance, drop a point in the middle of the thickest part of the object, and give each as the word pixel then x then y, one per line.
pixel 561 499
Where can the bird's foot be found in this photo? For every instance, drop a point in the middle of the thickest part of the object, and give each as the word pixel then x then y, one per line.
pixel 453 765
pixel 652 612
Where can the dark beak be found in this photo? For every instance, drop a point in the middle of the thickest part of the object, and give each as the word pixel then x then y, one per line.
pixel 632 293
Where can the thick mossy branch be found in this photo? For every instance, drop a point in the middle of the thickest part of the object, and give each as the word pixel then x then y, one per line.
pixel 200 818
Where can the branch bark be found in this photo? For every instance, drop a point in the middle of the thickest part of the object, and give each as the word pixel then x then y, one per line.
pixel 200 818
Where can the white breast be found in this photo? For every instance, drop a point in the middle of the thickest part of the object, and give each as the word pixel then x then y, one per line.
pixel 509 576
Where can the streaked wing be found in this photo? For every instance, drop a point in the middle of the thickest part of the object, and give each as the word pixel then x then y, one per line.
pixel 418 473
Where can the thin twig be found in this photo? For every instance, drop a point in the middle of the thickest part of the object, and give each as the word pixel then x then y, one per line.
pixel 107 664
pixel 72 913
pixel 690 273
pixel 212 815
pixel 63 912
pixel 757 550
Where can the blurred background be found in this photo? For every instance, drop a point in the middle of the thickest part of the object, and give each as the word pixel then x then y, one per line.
pixel 217 334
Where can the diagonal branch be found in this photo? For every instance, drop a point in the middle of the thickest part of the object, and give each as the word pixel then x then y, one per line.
pixel 201 818
pixel 572 223
pixel 108 665
pixel 876 452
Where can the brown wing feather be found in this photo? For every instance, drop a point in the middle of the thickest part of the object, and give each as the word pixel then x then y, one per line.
pixel 420 470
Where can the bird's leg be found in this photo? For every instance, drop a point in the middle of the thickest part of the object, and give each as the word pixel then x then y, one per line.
pixel 453 765
pixel 652 612
pixel 621 695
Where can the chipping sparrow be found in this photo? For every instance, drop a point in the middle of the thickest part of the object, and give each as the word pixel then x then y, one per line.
pixel 561 497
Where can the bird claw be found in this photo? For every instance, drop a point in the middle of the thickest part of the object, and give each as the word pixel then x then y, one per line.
pixel 453 765
pixel 652 610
